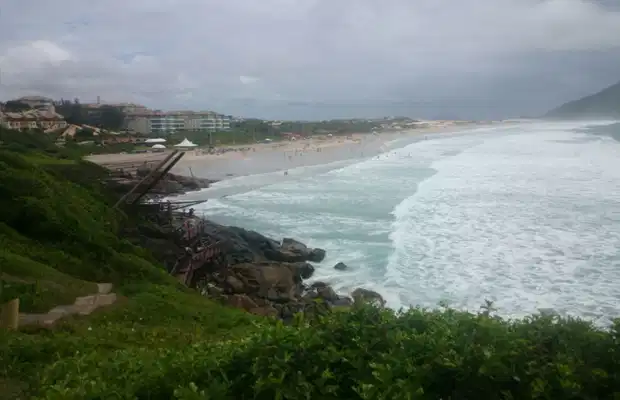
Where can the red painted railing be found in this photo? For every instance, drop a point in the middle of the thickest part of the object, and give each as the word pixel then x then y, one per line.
pixel 184 270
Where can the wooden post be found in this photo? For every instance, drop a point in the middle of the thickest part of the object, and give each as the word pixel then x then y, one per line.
pixel 9 317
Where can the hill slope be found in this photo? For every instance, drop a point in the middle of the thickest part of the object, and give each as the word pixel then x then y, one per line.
pixel 604 104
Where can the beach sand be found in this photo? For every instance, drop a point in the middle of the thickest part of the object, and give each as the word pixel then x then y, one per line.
pixel 250 159
pixel 283 156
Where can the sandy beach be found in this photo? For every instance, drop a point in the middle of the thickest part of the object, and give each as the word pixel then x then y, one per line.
pixel 250 159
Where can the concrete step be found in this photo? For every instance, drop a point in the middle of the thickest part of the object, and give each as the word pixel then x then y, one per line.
pixel 83 305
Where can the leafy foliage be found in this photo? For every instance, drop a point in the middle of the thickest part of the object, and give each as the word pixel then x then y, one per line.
pixel 106 117
pixel 367 353
pixel 54 211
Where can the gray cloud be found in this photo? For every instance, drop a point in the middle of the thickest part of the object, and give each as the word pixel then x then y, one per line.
pixel 313 58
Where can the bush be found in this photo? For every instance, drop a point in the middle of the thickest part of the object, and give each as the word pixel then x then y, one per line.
pixel 367 353
pixel 69 224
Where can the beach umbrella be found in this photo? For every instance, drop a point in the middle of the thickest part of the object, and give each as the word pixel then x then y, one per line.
pixel 185 143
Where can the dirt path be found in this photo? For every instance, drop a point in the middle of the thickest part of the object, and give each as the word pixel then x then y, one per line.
pixel 82 306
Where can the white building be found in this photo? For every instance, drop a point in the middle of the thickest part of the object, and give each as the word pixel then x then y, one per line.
pixel 177 121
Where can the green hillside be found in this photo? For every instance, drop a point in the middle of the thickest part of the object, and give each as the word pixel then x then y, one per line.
pixel 604 105
pixel 59 235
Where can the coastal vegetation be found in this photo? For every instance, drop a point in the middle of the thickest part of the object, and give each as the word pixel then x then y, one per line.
pixel 251 131
pixel 59 235
pixel 336 126
pixel 107 117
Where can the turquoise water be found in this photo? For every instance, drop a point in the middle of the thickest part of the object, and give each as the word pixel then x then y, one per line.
pixel 527 216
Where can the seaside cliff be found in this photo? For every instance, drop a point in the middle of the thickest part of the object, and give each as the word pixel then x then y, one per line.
pixel 61 239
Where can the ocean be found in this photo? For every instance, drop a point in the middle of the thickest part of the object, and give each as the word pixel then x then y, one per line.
pixel 526 216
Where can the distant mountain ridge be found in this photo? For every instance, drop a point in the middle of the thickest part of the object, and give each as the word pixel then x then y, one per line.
pixel 604 104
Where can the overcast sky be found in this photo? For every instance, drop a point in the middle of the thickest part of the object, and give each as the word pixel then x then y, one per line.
pixel 313 58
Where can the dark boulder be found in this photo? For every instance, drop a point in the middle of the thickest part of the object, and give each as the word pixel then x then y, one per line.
pixel 235 284
pixel 245 246
pixel 327 293
pixel 368 296
pixel 318 284
pixel 241 301
pixel 293 246
pixel 303 270
pixel 316 255
pixel 342 301
pixel 341 266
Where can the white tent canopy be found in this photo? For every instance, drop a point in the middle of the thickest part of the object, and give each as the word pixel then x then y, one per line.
pixel 155 140
pixel 186 143
pixel 158 146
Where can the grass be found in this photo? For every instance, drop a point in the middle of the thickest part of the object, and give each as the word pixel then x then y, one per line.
pixel 146 317
pixel 38 286
pixel 58 236
pixel 42 159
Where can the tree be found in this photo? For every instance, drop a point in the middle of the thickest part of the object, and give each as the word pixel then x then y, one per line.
pixel 16 106
pixel 111 118
pixel 73 112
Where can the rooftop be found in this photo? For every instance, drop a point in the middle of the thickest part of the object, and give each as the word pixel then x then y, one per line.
pixel 99 105
pixel 34 98
pixel 32 114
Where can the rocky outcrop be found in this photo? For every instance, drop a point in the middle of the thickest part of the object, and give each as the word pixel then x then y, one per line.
pixel 266 277
pixel 293 251
pixel 245 246
pixel 171 184
pixel 178 184
pixel 269 288
pixel 368 296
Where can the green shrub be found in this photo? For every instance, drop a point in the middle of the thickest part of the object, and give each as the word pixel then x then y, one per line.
pixel 363 354
pixel 69 223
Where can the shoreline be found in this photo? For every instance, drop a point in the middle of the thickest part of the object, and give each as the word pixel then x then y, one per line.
pixel 283 156
pixel 250 159
pixel 273 162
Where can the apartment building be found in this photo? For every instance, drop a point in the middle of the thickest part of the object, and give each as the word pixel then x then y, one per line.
pixel 158 122
pixel 32 119
pixel 207 121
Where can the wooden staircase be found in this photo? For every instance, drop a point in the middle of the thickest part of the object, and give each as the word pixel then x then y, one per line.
pixel 141 188
pixel 184 270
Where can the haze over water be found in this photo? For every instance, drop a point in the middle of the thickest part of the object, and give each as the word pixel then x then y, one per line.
pixel 527 216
